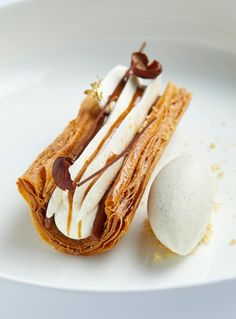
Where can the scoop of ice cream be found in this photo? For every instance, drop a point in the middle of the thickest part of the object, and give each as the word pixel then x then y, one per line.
pixel 180 201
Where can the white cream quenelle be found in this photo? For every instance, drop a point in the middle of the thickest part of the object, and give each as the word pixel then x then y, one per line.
pixel 180 203
pixel 87 197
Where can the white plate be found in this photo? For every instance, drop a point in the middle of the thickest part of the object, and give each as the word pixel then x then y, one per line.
pixel 50 52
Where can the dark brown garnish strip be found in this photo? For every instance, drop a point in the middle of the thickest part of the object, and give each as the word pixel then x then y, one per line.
pixel 117 157
pixel 142 47
pixel 103 168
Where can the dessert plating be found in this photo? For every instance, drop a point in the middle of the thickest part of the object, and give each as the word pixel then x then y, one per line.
pixel 84 189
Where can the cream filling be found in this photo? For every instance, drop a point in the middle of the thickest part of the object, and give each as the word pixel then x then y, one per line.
pixel 107 86
pixel 110 82
pixel 85 207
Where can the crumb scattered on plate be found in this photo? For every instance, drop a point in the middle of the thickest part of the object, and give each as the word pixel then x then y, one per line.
pixel 212 146
pixel 205 240
pixel 232 242
pixel 215 167
pixel 216 206
pixel 217 170
pixel 160 251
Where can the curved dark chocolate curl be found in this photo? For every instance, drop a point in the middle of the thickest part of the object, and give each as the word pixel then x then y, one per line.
pixel 141 68
pixel 61 174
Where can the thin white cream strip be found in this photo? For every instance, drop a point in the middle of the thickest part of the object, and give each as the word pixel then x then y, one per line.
pixel 110 82
pixel 108 85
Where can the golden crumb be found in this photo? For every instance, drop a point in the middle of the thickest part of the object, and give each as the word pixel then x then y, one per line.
pixel 147 228
pixel 157 256
pixel 217 170
pixel 221 174
pixel 216 206
pixel 215 167
pixel 161 252
pixel 169 253
pixel 205 240
pixel 232 242
pixel 212 146
pixel 194 251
